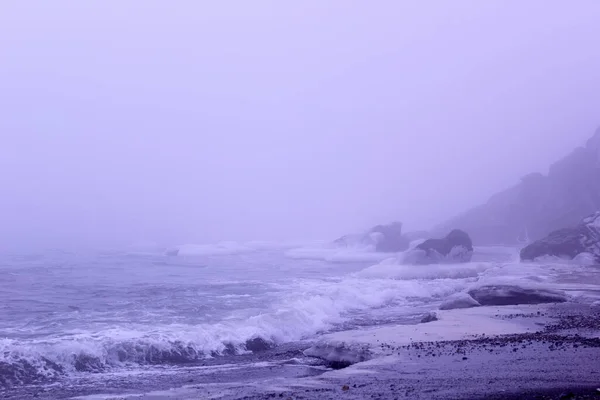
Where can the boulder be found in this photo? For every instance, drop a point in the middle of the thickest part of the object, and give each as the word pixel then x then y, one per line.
pixel 505 295
pixel 172 252
pixel 568 242
pixel 429 317
pixel 258 344
pixel 456 247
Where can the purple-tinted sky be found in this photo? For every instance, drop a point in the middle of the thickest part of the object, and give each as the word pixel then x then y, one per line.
pixel 195 121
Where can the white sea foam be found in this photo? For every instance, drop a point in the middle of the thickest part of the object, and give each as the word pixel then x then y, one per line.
pixel 452 325
pixel 228 248
pixel 394 269
pixel 354 249
pixel 336 254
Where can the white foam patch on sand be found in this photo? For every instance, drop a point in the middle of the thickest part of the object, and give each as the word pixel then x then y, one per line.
pixel 451 325
pixel 550 276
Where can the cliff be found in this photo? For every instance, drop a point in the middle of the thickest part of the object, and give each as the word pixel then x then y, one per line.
pixel 538 204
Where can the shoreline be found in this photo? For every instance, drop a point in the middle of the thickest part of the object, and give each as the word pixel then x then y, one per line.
pixel 561 360
pixel 545 351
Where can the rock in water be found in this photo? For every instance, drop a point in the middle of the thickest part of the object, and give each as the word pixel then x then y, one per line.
pixel 258 344
pixel 568 242
pixel 172 252
pixel 429 317
pixel 339 355
pixel 506 295
pixel 456 247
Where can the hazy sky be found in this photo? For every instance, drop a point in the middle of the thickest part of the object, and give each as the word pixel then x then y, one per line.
pixel 196 121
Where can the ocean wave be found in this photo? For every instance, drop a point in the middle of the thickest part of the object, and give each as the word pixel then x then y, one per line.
pixel 306 307
pixel 394 269
pixel 353 250
pixel 336 255
pixel 26 361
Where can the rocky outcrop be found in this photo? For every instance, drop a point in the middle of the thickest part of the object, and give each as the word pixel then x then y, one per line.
pixel 382 238
pixel 568 242
pixel 538 204
pixel 502 295
pixel 339 355
pixel 429 317
pixel 456 247
pixel 506 295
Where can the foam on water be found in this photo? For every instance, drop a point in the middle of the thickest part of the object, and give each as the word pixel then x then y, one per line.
pixel 336 255
pixel 228 248
pixel 394 269
pixel 353 250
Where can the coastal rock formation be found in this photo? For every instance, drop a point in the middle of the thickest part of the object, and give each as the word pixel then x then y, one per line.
pixel 538 204
pixel 429 317
pixel 339 355
pixel 456 247
pixel 568 242
pixel 383 238
pixel 505 295
pixel 502 295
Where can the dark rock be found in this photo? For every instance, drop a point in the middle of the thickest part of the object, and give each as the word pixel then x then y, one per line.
pixel 172 252
pixel 338 364
pixel 504 295
pixel 455 247
pixel 339 355
pixel 568 242
pixel 430 317
pixel 258 344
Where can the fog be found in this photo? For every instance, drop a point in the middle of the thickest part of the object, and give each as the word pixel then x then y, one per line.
pixel 189 122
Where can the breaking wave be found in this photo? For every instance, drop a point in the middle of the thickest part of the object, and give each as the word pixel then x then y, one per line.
pixel 306 307
pixel 290 310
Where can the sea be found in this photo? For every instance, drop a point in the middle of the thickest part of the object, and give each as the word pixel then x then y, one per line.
pixel 120 322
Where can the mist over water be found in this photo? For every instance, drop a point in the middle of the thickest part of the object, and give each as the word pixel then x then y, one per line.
pixel 203 123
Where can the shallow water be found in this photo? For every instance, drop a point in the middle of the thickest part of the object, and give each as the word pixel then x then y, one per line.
pixel 68 315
